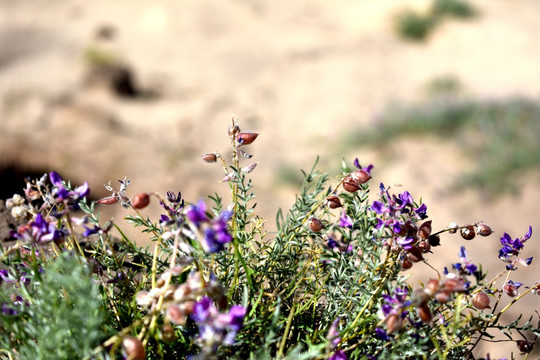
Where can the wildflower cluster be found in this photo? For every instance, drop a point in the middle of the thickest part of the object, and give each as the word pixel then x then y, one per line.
pixel 332 282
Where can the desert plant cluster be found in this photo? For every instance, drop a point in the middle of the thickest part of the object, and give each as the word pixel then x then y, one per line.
pixel 331 283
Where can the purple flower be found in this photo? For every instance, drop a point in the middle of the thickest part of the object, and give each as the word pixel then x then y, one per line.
pixel 512 247
pixel 216 236
pixel 338 355
pixel 381 334
pixel 345 221
pixel 216 328
pixel 62 194
pixel 40 232
pixel 196 213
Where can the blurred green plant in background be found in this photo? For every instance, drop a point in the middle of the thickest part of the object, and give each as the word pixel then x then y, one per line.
pixel 415 26
pixel 499 135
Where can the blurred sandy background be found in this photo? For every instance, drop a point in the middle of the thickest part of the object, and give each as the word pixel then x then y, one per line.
pixel 301 73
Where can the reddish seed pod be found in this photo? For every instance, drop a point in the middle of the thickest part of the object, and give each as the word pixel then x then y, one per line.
pixel 434 240
pixel 209 158
pixel 424 314
pixel 524 346
pixel 133 348
pixel 432 286
pixel 481 301
pixel 424 230
pixel 167 333
pixel 453 228
pixel 424 246
pixel 315 224
pixel 140 201
pixel 109 200
pixel 419 298
pixel 361 176
pixel 246 138
pixel 333 202
pixel 176 315
pixel 483 229
pixel 467 232
pixel 414 254
pixel 406 264
pixel 454 285
pixel 393 322
pixel 443 296
pixel 510 289
pixel 350 185
pixel 233 131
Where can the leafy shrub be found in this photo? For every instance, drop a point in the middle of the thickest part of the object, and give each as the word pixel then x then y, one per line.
pixel 331 284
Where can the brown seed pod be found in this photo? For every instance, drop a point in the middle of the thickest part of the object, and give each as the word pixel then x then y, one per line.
pixel 133 348
pixel 406 264
pixel 424 314
pixel 483 229
pixel 424 230
pixel 140 201
pixel 443 296
pixel 176 315
pixel 315 224
pixel 233 131
pixel 454 285
pixel 350 185
pixel 424 246
pixel 109 200
pixel 209 158
pixel 167 333
pixel 432 286
pixel 246 137
pixel 419 297
pixel 467 232
pixel 510 289
pixel 361 176
pixel 393 322
pixel 524 346
pixel 434 240
pixel 481 301
pixel 414 254
pixel 333 202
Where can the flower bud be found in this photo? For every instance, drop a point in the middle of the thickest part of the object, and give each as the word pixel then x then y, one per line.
pixel 483 229
pixel 361 176
pixel 140 201
pixel 481 301
pixel 350 185
pixel 467 232
pixel 246 138
pixel 315 224
pixel 333 202
pixel 209 158
pixel 133 348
